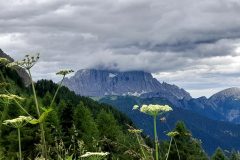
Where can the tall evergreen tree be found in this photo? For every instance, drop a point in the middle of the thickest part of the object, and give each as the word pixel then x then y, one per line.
pixel 234 155
pixel 188 147
pixel 219 155
pixel 85 125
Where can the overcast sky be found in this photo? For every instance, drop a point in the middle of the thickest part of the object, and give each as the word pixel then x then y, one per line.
pixel 193 44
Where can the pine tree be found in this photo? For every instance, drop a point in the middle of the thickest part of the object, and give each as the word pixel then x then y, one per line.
pixel 234 155
pixel 85 125
pixel 219 155
pixel 108 126
pixel 188 147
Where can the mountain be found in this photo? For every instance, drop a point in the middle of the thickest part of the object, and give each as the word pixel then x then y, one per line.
pixel 20 71
pixel 99 83
pixel 212 133
pixel 223 106
pixel 207 118
pixel 227 103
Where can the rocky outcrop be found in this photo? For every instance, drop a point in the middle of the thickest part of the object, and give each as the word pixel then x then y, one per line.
pixel 93 82
pixel 21 72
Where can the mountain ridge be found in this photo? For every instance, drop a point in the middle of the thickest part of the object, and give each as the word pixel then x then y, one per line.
pixel 221 106
pixel 94 82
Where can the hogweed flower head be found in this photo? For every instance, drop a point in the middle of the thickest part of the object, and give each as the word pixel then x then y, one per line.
pixel 137 131
pixel 27 63
pixel 95 155
pixel 135 107
pixel 64 72
pixel 172 134
pixel 4 61
pixel 153 110
pixel 10 97
pixel 17 122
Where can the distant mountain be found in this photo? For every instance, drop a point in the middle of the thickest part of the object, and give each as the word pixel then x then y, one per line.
pixel 223 106
pixel 212 133
pixel 227 103
pixel 20 71
pixel 99 83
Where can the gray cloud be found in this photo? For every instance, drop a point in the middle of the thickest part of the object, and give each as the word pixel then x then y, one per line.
pixel 190 43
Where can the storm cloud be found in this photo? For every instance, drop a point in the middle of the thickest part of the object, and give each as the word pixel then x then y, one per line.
pixel 194 44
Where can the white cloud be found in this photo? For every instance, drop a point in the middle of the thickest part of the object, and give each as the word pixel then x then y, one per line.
pixel 189 43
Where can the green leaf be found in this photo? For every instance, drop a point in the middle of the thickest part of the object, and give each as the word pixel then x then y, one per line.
pixel 42 117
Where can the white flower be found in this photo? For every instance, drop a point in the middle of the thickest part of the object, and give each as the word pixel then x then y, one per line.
pixel 27 63
pixel 10 97
pixel 135 107
pixel 154 110
pixel 135 130
pixel 64 72
pixel 172 134
pixel 95 154
pixel 4 61
pixel 17 122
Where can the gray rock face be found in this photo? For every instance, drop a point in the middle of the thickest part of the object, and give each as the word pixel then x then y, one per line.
pixel 92 82
pixel 224 105
pixel 21 72
pixel 227 103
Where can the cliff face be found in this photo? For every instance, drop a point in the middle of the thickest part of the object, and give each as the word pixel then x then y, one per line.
pixel 21 72
pixel 92 82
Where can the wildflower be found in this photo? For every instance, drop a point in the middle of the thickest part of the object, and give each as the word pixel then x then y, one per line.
pixel 10 97
pixel 17 122
pixel 95 155
pixel 64 72
pixel 135 107
pixel 163 119
pixel 154 110
pixel 4 61
pixel 27 63
pixel 135 130
pixel 172 134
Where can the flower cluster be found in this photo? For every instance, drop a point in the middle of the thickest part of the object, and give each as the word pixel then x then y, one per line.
pixel 10 97
pixel 64 72
pixel 17 122
pixel 135 131
pixel 4 61
pixel 172 134
pixel 27 63
pixel 153 110
pixel 95 155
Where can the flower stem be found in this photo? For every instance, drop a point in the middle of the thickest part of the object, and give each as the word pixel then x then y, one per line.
pixel 155 136
pixel 169 148
pixel 43 141
pixel 177 149
pixel 55 95
pixel 19 144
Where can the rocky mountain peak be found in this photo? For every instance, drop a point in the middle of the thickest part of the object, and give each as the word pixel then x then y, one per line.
pixel 94 82
pixel 233 92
